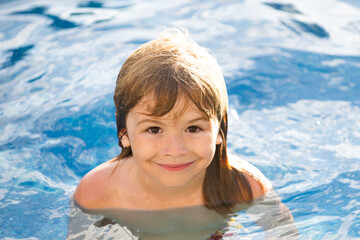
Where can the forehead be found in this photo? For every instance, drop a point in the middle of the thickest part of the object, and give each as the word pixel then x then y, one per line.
pixel 183 104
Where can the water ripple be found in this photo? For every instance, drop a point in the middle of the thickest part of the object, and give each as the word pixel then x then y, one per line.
pixel 289 8
pixel 16 56
pixel 57 22
pixel 292 70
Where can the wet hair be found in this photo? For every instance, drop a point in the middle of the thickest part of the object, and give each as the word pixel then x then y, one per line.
pixel 167 68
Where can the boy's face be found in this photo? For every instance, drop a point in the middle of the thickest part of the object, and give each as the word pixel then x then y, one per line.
pixel 173 150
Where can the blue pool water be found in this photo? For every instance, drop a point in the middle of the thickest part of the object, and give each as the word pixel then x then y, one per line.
pixel 292 70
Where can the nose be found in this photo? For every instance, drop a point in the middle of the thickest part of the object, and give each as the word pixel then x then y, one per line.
pixel 175 146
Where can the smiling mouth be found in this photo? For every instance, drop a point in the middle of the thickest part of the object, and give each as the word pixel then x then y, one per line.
pixel 175 167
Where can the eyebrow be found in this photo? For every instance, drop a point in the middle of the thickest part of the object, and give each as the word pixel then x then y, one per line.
pixel 148 120
pixel 198 119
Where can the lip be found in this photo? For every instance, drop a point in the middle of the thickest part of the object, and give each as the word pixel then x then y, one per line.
pixel 175 167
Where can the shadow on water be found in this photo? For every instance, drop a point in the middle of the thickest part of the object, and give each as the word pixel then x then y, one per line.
pixel 16 55
pixel 300 27
pixel 311 28
pixel 36 78
pixel 297 26
pixel 99 4
pixel 289 8
pixel 57 23
pixel 91 4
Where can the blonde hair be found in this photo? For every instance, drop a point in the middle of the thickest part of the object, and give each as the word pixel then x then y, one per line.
pixel 173 65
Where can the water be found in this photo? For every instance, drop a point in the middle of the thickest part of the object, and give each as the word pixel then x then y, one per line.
pixel 292 70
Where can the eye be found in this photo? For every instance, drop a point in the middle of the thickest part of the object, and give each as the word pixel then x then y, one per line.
pixel 193 129
pixel 154 130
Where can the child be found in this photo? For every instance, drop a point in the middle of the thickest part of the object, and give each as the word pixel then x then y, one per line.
pixel 171 114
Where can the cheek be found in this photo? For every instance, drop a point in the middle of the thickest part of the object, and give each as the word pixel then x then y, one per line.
pixel 206 147
pixel 143 148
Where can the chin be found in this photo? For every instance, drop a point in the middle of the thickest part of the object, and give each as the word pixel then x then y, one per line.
pixel 179 180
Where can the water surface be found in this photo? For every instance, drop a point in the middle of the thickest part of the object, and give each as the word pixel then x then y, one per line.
pixel 292 70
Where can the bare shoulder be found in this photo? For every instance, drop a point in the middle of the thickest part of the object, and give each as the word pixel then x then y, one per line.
pixel 258 182
pixel 95 186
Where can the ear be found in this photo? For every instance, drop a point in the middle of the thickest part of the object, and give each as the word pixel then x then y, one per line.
pixel 218 139
pixel 125 140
